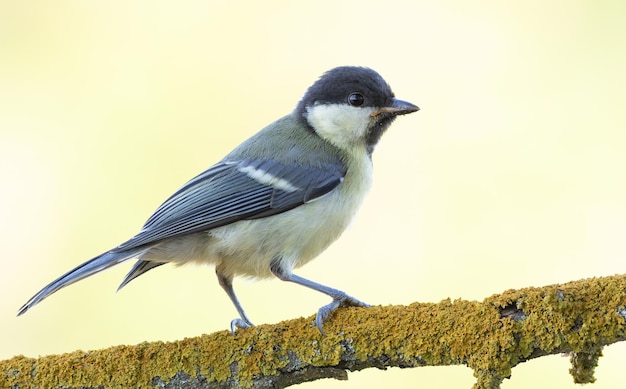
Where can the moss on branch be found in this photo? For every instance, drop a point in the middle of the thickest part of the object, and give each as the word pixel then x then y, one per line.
pixel 490 337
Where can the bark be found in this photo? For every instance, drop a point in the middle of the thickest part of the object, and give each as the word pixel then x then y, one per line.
pixel 490 337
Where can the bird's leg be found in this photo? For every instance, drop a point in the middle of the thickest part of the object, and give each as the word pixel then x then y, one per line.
pixel 340 299
pixel 227 284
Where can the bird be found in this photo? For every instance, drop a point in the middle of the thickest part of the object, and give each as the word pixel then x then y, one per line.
pixel 273 203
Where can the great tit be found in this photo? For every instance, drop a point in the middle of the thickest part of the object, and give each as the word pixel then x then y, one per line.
pixel 276 201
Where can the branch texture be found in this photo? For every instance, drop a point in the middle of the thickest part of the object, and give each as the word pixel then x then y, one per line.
pixel 490 337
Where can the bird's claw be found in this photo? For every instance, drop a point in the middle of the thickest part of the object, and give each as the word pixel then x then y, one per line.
pixel 239 323
pixel 342 301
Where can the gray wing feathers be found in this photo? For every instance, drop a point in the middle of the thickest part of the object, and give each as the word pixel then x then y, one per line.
pixel 232 191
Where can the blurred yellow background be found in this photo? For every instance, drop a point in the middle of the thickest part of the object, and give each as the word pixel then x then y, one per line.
pixel 511 175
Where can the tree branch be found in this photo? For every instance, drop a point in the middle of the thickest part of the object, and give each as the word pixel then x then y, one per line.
pixel 490 337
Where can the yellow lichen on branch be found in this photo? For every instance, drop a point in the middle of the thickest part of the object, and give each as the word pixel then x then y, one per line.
pixel 490 337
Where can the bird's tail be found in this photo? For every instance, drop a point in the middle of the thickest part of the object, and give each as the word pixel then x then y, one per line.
pixel 91 267
pixel 138 269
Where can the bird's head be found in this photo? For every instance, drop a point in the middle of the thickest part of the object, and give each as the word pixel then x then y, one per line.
pixel 351 107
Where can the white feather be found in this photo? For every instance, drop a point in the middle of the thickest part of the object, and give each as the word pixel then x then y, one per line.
pixel 265 178
pixel 342 125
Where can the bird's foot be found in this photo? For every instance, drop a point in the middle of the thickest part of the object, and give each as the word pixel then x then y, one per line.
pixel 239 323
pixel 342 300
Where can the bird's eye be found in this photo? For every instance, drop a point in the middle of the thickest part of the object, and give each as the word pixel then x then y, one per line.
pixel 356 99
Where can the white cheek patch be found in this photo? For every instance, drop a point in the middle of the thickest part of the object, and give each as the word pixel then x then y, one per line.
pixel 265 178
pixel 341 124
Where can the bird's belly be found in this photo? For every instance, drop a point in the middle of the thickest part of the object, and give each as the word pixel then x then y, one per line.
pixel 294 237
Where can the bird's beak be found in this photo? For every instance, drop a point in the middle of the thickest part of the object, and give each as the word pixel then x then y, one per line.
pixel 396 108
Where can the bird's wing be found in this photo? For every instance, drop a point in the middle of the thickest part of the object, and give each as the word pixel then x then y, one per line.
pixel 236 190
